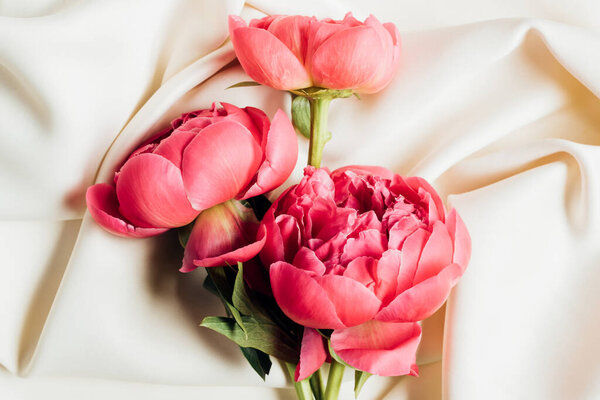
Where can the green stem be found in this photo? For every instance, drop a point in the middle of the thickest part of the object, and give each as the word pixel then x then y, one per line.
pixel 316 384
pixel 319 135
pixel 303 387
pixel 334 380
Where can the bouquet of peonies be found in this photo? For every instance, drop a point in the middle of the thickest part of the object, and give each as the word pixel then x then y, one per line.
pixel 344 265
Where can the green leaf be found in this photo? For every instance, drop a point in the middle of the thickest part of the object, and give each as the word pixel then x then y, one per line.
pixel 301 115
pixel 259 361
pixel 240 298
pixel 261 335
pixel 224 289
pixel 356 95
pixel 243 84
pixel 360 377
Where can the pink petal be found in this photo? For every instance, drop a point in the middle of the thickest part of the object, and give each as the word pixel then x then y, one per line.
pixel 218 163
pixel 301 298
pixel 460 238
pixel 307 260
pixel 422 300
pixel 411 252
pixel 318 33
pixel 241 254
pixel 436 255
pixel 273 250
pixel 389 58
pixel 348 59
pixel 290 233
pixel 261 123
pixel 151 194
pixel 281 154
pixel 370 243
pixel 243 117
pixel 104 208
pixel 354 303
pixel 362 269
pixel 266 59
pixel 312 354
pixel 222 235
pixel 386 279
pixel 385 349
pixel 293 32
pixel 173 146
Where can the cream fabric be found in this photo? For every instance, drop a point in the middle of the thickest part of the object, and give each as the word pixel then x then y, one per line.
pixel 495 103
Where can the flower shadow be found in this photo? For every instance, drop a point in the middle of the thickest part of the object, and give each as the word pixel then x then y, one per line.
pixel 185 289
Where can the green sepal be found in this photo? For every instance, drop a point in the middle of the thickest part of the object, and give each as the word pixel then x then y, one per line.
pixel 315 92
pixel 360 377
pixel 336 357
pixel 263 336
pixel 243 84
pixel 259 361
pixel 184 233
pixel 301 115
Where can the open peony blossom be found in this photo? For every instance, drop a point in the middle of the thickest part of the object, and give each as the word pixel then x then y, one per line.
pixel 205 159
pixel 295 52
pixel 368 254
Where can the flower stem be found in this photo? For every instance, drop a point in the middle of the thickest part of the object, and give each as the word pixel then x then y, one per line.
pixel 316 384
pixel 334 380
pixel 319 135
pixel 303 387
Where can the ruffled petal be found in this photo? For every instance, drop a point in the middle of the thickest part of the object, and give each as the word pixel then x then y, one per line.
pixel 385 349
pixel 218 163
pixel 104 208
pixel 151 194
pixel 417 183
pixel 266 59
pixel 312 354
pixel 301 298
pixel 365 170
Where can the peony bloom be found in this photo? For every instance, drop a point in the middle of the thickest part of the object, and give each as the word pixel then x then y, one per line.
pixel 205 159
pixel 296 52
pixel 368 254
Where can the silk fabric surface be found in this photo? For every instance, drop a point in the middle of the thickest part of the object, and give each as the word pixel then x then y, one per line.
pixel 496 103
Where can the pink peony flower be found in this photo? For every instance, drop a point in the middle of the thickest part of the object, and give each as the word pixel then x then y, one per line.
pixel 205 159
pixel 367 253
pixel 295 52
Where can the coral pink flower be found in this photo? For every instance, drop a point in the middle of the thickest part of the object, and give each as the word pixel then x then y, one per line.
pixel 367 253
pixel 206 158
pixel 295 52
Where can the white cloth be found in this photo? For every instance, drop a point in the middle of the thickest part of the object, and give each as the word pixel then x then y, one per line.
pixel 494 103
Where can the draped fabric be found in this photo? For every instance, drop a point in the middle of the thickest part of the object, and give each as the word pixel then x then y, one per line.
pixel 495 103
